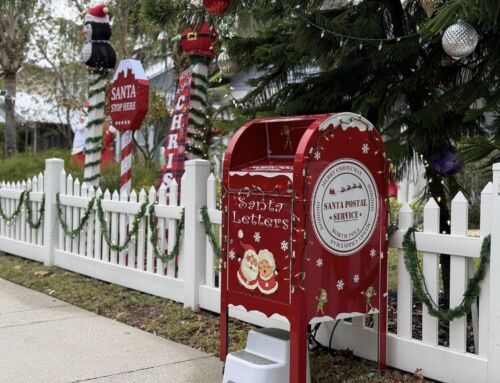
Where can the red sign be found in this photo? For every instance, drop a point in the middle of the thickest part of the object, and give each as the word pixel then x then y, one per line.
pixel 129 96
pixel 175 149
pixel 259 246
pixel 304 221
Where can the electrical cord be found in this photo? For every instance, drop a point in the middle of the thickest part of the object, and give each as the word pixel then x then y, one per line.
pixel 331 335
pixel 312 342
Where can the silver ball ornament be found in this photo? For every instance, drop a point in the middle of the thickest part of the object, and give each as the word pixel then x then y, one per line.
pixel 460 40
pixel 225 64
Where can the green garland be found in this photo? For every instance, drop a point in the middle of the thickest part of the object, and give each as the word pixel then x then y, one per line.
pixel 16 212
pixel 153 238
pixel 131 235
pixel 72 233
pixel 29 216
pixel 207 225
pixel 24 200
pixel 473 285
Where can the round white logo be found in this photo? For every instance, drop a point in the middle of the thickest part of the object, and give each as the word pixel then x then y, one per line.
pixel 344 206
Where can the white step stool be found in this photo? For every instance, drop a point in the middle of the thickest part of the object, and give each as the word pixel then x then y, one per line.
pixel 266 359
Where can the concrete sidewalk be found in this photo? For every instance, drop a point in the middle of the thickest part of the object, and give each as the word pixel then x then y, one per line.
pixel 43 339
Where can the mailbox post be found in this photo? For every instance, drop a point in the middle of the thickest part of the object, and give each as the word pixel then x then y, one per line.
pixel 305 217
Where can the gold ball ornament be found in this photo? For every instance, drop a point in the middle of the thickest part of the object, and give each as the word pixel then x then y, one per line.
pixel 429 6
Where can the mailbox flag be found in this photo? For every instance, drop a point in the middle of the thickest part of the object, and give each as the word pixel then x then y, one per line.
pixel 175 146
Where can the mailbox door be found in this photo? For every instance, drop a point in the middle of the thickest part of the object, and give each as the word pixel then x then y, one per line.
pixel 258 250
pixel 345 200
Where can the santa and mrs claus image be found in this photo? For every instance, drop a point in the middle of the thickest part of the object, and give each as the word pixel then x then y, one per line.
pixel 257 270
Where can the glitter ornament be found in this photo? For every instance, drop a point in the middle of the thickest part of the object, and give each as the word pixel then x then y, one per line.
pixel 429 6
pixel 446 164
pixel 216 7
pixel 224 63
pixel 460 40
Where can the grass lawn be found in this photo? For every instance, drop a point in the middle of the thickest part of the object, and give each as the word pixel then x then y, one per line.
pixel 170 320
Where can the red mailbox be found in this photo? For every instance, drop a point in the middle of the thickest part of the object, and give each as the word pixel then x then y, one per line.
pixel 305 218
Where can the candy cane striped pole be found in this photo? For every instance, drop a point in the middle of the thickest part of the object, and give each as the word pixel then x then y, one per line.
pixel 126 163
pixel 198 110
pixel 95 121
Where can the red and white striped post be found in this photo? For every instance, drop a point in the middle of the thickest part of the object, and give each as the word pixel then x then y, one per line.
pixel 126 163
pixel 128 105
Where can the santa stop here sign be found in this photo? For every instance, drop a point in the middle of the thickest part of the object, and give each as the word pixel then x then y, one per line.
pixel 129 96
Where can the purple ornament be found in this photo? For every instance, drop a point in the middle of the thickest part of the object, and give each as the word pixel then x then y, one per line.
pixel 446 163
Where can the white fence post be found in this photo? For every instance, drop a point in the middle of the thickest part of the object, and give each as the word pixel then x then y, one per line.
pixel 193 197
pixel 53 169
pixel 494 319
pixel 405 298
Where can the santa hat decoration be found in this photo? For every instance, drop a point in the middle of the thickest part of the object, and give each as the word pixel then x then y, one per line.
pixel 245 246
pixel 98 14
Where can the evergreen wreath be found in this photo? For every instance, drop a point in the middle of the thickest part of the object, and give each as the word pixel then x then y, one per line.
pixel 207 225
pixel 473 285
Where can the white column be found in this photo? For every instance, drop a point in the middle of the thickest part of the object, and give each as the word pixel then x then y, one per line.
pixel 192 259
pixel 494 318
pixel 92 168
pixel 53 169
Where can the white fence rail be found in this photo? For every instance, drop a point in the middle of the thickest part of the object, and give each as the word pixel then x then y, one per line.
pixel 192 277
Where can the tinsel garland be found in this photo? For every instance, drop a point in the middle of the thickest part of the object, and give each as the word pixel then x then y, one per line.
pixel 16 212
pixel 131 235
pixel 207 225
pixel 473 285
pixel 72 233
pixel 29 216
pixel 24 200
pixel 153 237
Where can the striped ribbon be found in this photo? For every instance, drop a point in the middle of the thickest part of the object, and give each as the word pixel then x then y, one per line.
pixel 126 163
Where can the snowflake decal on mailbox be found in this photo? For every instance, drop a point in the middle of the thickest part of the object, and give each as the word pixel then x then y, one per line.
pixel 284 245
pixel 256 236
pixel 340 284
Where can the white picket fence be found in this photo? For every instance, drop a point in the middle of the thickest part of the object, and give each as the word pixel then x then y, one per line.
pixel 192 277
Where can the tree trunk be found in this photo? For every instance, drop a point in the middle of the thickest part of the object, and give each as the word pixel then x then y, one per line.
pixel 10 135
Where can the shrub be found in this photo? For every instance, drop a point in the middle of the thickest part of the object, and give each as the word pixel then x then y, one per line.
pixel 22 166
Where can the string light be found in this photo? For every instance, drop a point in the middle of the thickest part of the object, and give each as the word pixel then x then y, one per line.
pixel 343 36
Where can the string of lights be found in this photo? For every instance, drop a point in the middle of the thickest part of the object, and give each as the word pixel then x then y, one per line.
pixel 343 36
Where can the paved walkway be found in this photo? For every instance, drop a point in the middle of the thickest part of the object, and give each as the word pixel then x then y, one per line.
pixel 43 339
